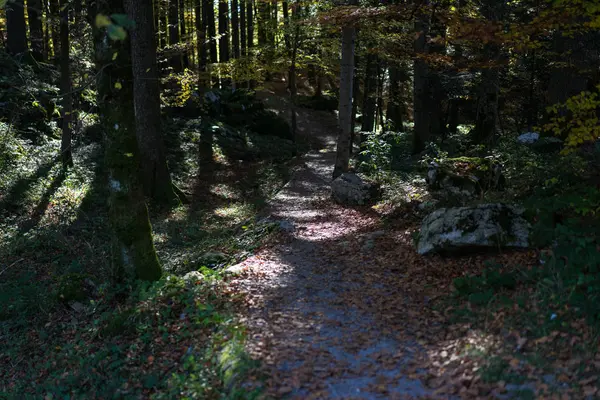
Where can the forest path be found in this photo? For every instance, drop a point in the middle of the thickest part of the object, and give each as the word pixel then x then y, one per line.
pixel 312 297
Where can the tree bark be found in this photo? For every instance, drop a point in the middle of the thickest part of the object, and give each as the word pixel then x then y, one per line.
pixel 212 30
pixel 243 29
pixel 156 178
pixel 394 107
pixel 54 14
pixel 489 89
pixel 132 249
pixel 174 37
pixel 235 28
pixel 36 32
pixel 66 87
pixel 342 162
pixel 421 91
pixel 223 31
pixel 185 58
pixel 369 102
pixel 250 24
pixel 15 28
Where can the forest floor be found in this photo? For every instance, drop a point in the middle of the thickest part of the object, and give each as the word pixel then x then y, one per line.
pixel 341 306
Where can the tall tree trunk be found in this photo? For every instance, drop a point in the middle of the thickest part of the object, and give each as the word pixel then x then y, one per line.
pixel 243 31
pixel 286 24
pixel 342 162
pixel 132 249
pixel 394 111
pixel 45 28
pixel 155 175
pixel 66 87
pixel 224 36
pixel 185 58
pixel 36 33
pixel 54 14
pixel 263 20
pixel 202 37
pixel 15 28
pixel 250 24
pixel 489 89
pixel 174 37
pixel 369 102
pixel 355 99
pixel 422 120
pixel 212 30
pixel 235 28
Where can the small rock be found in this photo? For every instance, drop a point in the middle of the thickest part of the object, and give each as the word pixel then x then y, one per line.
pixel 77 306
pixel 528 138
pixel 350 189
pixel 192 278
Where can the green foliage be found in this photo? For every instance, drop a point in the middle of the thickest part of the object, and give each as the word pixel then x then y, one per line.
pixel 71 287
pixel 375 155
pixel 576 120
pixel 481 289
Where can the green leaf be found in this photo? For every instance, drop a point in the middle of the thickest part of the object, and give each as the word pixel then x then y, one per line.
pixel 102 21
pixel 123 20
pixel 116 32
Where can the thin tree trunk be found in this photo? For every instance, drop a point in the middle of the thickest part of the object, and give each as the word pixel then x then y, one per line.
pixel 394 106
pixel 250 24
pixel 201 31
pixel 342 162
pixel 66 87
pixel 369 102
pixel 54 14
pixel 16 29
pixel 132 249
pixel 36 33
pixel 243 31
pixel 422 121
pixel 263 18
pixel 235 28
pixel 185 58
pixel 224 36
pixel 174 37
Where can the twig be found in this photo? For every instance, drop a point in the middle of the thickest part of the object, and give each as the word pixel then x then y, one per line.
pixel 11 265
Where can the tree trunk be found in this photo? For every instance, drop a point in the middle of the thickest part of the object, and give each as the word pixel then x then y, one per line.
pixel 132 249
pixel 223 31
pixel 342 161
pixel 235 28
pixel 422 120
pixel 487 99
pixel 292 77
pixel 174 37
pixel 394 106
pixel 36 33
pixel 185 58
pixel 263 20
pixel 15 28
pixel 250 24
pixel 65 87
pixel 243 31
pixel 54 14
pixel 202 37
pixel 155 175
pixel 369 102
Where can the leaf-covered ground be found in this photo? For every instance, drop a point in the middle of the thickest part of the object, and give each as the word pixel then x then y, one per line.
pixel 342 307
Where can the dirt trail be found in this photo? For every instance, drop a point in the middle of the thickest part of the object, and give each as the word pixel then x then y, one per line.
pixel 311 338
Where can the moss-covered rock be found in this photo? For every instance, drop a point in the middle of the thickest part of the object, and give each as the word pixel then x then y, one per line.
pixel 71 287
pixel 467 228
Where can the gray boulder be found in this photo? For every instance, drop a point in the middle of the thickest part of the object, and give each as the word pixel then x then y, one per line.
pixel 351 189
pixel 470 228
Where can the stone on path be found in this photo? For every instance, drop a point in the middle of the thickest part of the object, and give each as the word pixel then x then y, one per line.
pixel 350 189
